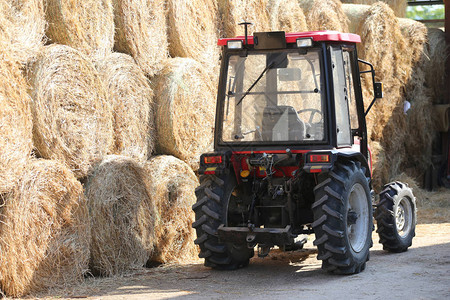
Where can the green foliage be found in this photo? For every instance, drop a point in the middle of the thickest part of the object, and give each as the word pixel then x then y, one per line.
pixel 426 12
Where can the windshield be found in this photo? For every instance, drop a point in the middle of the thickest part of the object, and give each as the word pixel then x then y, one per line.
pixel 274 97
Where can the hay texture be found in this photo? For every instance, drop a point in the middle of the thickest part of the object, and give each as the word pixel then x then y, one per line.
pixel 286 16
pixel 324 15
pixel 15 123
pixel 398 6
pixel 193 31
pixel 233 12
pixel 185 110
pixel 435 68
pixel 419 131
pixel 141 31
pixel 131 98
pixel 122 216
pixel 383 43
pixel 71 114
pixel 356 15
pixel 86 25
pixel 22 28
pixel 44 231
pixel 416 35
pixel 172 186
pixel 380 172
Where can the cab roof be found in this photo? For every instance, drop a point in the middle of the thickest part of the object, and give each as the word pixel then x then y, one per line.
pixel 317 36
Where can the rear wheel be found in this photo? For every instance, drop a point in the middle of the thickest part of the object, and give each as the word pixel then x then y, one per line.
pixel 396 217
pixel 213 196
pixel 343 219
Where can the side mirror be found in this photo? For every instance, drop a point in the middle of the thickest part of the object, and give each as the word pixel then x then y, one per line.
pixel 378 90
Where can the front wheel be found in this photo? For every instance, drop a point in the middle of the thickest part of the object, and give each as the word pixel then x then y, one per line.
pixel 343 219
pixel 396 217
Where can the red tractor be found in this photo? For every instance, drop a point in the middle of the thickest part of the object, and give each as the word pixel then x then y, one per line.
pixel 291 156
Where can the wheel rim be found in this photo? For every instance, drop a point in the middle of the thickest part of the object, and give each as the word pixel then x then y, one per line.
pixel 403 217
pixel 357 218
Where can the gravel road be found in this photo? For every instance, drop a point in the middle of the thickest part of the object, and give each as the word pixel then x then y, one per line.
pixel 423 272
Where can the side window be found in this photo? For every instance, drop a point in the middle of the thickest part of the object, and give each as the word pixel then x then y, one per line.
pixel 341 99
pixel 350 91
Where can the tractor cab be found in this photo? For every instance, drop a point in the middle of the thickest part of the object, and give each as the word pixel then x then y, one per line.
pixel 300 90
pixel 290 152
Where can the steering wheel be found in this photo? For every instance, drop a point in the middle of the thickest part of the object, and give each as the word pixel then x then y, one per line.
pixel 313 112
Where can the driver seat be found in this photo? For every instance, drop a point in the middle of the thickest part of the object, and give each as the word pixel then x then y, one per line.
pixel 281 123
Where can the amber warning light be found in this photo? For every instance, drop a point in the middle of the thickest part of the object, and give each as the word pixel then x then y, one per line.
pixel 319 158
pixel 213 159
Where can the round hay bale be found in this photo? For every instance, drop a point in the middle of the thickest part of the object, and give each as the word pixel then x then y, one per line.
pixel 286 16
pixel 86 25
pixel 185 110
pixel 122 216
pixel 193 31
pixel 383 44
pixel 15 123
pixel 435 67
pixel 71 114
pixel 233 12
pixel 355 14
pixel 416 35
pixel 398 6
pixel 141 31
pixel 419 131
pixel 324 15
pixel 44 231
pixel 131 98
pixel 22 28
pixel 172 186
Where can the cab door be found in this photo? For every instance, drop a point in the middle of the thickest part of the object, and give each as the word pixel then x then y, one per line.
pixel 341 98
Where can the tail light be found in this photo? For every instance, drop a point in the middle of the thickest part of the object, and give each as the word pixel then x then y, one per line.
pixel 213 159
pixel 319 158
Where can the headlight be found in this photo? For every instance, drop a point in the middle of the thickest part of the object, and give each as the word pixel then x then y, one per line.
pixel 234 44
pixel 304 42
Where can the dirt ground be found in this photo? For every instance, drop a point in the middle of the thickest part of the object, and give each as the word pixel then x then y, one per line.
pixel 423 272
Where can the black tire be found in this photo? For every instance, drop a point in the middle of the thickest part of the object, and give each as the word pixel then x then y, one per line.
pixel 343 219
pixel 396 217
pixel 210 210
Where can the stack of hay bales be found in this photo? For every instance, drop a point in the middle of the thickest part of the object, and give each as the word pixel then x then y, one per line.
pixel 185 105
pixel 398 6
pixel 22 28
pixel 193 31
pixel 44 231
pixel 122 216
pixel 233 12
pixel 172 186
pixel 15 123
pixel 131 98
pixel 141 32
pixel 324 15
pixel 71 113
pixel 86 25
pixel 286 16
